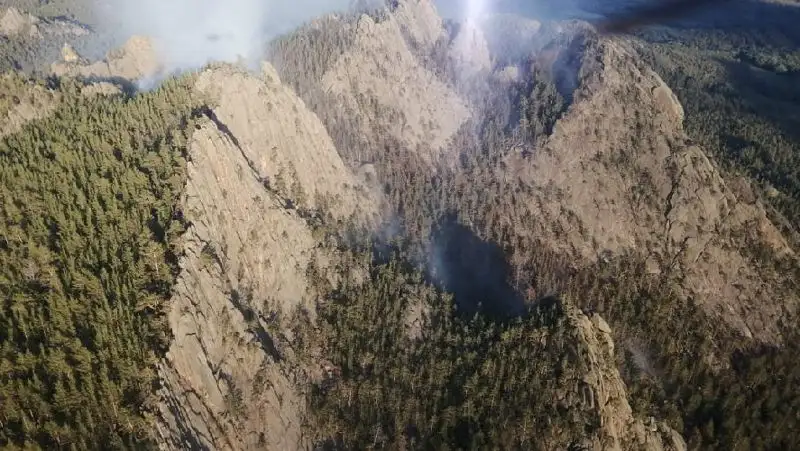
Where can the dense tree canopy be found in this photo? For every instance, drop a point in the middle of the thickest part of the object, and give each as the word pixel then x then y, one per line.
pixel 457 337
pixel 88 240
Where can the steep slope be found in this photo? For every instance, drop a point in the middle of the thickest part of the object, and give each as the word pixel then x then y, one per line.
pixel 18 24
pixel 238 272
pixel 232 379
pixel 740 88
pixel 135 60
pixel 546 380
pixel 14 23
pixel 597 189
pixel 619 173
pixel 219 208
pixel 286 144
pixel 366 77
pixel 605 391
pixel 380 69
pixel 28 42
pixel 88 236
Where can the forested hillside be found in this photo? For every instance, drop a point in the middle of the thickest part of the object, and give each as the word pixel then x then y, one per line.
pixel 89 246
pixel 718 388
pixel 740 87
pixel 200 265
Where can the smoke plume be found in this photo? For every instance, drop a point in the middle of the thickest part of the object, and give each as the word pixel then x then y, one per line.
pixel 653 13
pixel 191 33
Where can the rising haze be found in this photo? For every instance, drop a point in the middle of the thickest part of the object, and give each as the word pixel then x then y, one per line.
pixel 191 33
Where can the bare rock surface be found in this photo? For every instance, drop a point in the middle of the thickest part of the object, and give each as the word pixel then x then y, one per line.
pixel 380 77
pixel 232 378
pixel 137 59
pixel 227 381
pixel 604 390
pixel 419 21
pixel 19 24
pixel 619 174
pixel 284 142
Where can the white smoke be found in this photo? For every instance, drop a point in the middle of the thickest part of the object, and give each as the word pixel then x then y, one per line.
pixel 476 11
pixel 191 33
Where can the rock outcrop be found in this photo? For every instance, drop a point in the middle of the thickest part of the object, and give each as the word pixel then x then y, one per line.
pixel 419 21
pixel 284 142
pixel 136 60
pixel 604 391
pixel 226 379
pixel 619 174
pixel 232 378
pixel 15 23
pixel 381 78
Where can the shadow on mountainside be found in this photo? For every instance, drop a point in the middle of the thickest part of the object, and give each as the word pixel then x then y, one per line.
pixel 475 271
pixel 774 96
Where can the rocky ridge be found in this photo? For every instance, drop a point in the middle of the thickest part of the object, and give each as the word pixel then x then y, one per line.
pixel 604 390
pixel 624 180
pixel 136 60
pixel 620 175
pixel 29 43
pixel 18 24
pixel 232 379
pixel 283 141
pixel 380 78
pixel 197 315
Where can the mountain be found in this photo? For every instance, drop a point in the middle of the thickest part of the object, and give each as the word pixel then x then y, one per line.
pixel 617 174
pixel 626 178
pixel 27 42
pixel 254 179
pixel 401 232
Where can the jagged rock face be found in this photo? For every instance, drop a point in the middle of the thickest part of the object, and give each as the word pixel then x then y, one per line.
pixel 135 60
pixel 605 391
pixel 619 174
pixel 211 395
pixel 419 21
pixel 232 379
pixel 284 142
pixel 380 69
